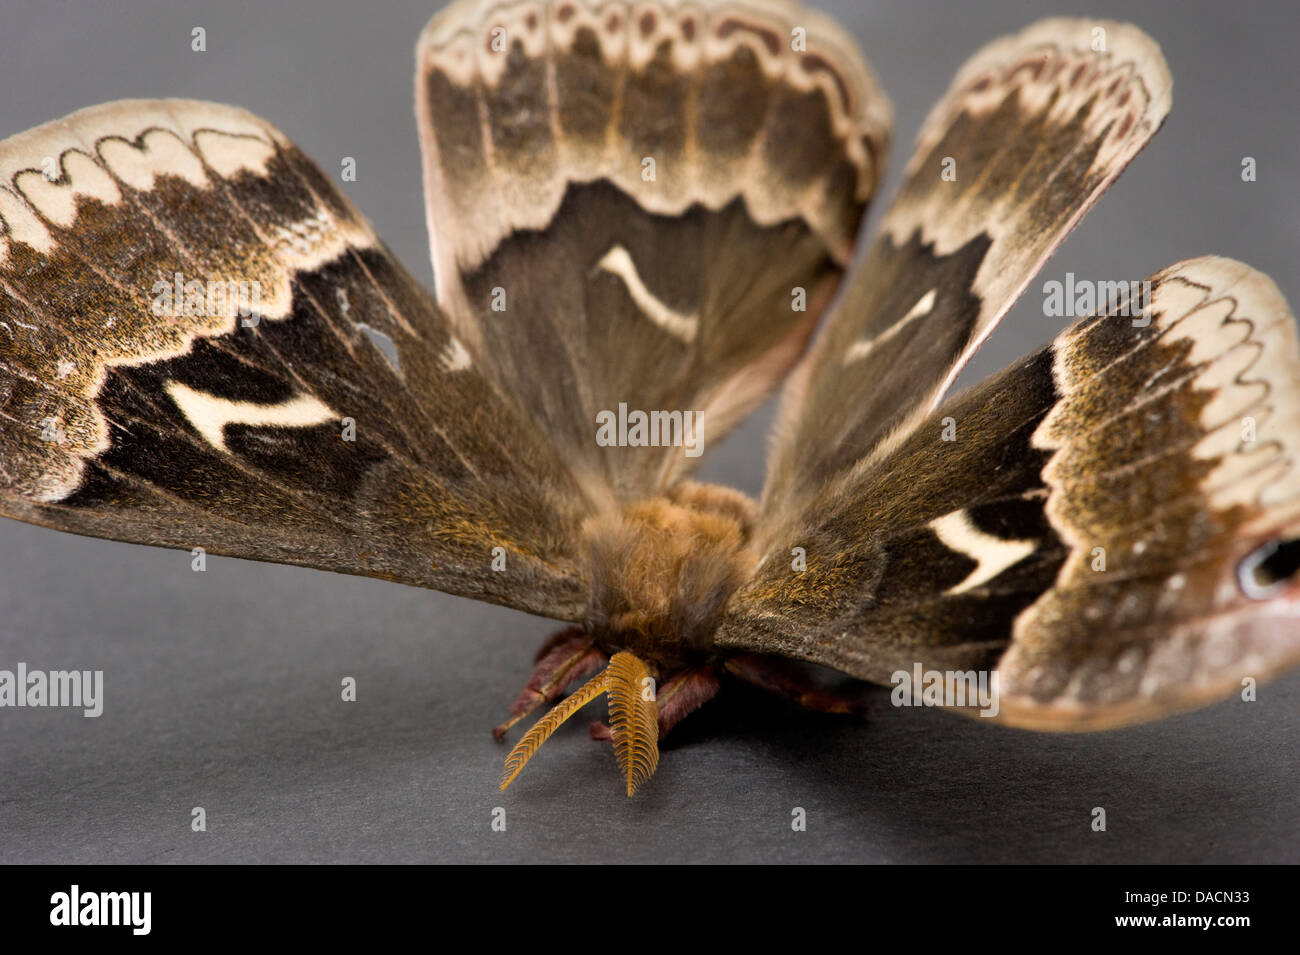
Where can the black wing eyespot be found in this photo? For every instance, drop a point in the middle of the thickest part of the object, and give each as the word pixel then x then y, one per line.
pixel 1268 570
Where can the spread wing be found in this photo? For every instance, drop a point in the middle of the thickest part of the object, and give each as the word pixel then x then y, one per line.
pixel 202 344
pixel 641 205
pixel 1033 129
pixel 1113 523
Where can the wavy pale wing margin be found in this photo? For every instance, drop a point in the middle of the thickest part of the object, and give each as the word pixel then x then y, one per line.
pixel 1113 523
pixel 1033 129
pixel 202 344
pixel 642 204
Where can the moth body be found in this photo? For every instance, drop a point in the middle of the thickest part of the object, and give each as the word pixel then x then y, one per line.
pixel 662 570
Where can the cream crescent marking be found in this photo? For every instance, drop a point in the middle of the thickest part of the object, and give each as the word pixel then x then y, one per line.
pixel 862 349
pixel 992 554
pixel 209 414
pixel 454 356
pixel 618 262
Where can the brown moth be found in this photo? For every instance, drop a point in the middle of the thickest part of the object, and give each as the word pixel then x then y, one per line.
pixel 638 215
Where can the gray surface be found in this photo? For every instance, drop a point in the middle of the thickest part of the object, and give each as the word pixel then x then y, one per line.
pixel 222 688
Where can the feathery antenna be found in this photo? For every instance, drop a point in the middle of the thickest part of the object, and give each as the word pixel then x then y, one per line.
pixel 633 721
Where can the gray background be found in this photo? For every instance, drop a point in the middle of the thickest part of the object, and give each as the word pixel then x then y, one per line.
pixel 223 688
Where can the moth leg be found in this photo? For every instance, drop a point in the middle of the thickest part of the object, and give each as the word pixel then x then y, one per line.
pixel 684 693
pixel 681 695
pixel 566 656
pixel 786 678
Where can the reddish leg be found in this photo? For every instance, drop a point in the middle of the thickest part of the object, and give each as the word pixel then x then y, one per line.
pixel 786 678
pixel 565 657
pixel 682 694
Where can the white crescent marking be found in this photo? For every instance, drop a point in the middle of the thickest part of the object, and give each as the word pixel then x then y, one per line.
pixel 992 554
pixel 861 350
pixel 209 414
pixel 618 261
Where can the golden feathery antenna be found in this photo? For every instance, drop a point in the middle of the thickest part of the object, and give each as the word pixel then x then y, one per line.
pixel 633 721
pixel 548 724
pixel 633 718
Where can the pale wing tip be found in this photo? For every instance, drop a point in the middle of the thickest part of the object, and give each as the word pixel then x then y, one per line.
pixel 1218 273
pixel 127 118
pixel 1123 42
pixel 192 113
